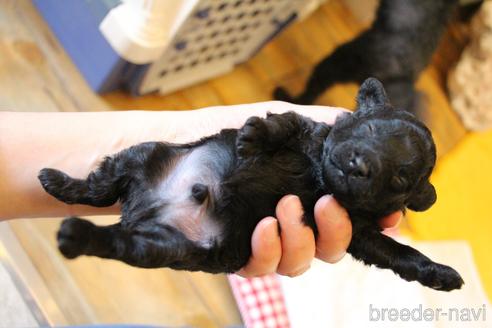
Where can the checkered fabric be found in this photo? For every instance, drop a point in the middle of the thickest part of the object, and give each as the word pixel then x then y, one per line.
pixel 261 301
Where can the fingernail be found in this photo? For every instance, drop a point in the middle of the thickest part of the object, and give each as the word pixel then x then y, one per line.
pixel 291 208
pixel 271 239
pixel 299 271
pixel 328 207
pixel 334 258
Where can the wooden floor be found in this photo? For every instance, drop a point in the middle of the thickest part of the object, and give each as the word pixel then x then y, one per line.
pixel 36 75
pixel 288 61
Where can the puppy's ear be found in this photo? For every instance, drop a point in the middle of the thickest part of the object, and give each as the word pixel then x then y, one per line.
pixel 371 95
pixel 423 198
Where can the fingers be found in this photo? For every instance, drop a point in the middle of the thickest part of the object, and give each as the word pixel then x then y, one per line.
pixel 266 249
pixel 391 220
pixel 334 228
pixel 298 243
pixel 291 252
pixel 318 113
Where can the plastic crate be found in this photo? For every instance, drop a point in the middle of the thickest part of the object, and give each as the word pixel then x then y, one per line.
pixel 213 37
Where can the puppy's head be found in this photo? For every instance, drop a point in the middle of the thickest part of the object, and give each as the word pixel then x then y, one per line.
pixel 379 159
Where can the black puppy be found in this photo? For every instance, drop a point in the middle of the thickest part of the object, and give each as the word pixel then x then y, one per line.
pixel 395 49
pixel 195 206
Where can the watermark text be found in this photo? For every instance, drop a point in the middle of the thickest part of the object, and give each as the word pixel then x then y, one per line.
pixel 420 313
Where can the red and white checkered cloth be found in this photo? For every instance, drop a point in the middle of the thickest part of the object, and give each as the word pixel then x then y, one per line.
pixel 261 301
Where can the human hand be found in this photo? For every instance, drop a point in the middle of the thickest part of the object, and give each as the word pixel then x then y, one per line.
pixel 290 253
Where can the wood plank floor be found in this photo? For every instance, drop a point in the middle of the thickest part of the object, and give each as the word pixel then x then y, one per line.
pixel 36 75
pixel 288 61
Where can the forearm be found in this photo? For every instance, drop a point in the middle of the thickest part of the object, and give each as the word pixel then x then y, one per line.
pixel 76 142
pixel 73 142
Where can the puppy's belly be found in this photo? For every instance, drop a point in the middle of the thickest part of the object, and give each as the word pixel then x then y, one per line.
pixel 179 209
pixel 194 222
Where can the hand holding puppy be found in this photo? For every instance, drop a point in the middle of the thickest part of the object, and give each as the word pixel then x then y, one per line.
pixel 291 251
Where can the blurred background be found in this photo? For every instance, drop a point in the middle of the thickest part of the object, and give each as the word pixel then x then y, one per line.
pixel 75 56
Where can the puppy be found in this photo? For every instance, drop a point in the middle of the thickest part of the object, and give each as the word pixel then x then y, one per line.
pixel 395 49
pixel 195 206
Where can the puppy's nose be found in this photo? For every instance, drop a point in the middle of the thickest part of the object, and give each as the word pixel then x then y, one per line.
pixel 358 167
pixel 199 192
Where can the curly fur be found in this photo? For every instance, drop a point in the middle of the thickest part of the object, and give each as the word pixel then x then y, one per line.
pixel 195 206
pixel 395 49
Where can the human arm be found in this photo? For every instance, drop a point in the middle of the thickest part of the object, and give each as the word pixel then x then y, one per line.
pixel 76 142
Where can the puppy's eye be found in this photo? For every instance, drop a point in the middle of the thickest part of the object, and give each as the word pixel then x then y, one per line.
pixel 399 183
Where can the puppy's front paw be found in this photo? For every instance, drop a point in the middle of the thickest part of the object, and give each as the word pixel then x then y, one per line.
pixel 251 137
pixel 73 237
pixel 54 182
pixel 440 277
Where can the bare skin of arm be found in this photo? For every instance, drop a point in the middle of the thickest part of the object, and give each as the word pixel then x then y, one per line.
pixel 76 142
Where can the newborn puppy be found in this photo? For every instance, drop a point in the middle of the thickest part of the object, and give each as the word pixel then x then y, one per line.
pixel 195 206
pixel 395 49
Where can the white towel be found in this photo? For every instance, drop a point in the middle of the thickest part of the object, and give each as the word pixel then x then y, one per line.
pixel 349 294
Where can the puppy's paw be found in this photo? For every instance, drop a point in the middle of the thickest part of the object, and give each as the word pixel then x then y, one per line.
pixel 251 137
pixel 440 277
pixel 73 237
pixel 54 182
pixel 282 94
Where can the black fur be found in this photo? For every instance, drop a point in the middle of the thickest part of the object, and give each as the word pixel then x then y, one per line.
pixel 375 161
pixel 395 49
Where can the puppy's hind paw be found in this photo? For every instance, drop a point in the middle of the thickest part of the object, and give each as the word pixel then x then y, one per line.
pixel 440 277
pixel 251 137
pixel 281 94
pixel 74 236
pixel 54 182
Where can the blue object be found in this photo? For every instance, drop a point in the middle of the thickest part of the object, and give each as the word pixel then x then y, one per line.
pixel 76 25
